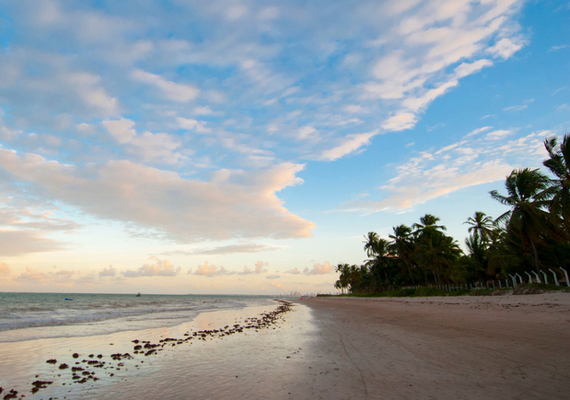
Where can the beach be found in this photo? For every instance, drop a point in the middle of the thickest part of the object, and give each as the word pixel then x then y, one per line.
pixel 492 347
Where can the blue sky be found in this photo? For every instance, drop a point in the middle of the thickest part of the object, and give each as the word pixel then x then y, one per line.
pixel 245 146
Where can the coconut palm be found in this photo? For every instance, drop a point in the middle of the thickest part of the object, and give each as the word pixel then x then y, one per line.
pixel 377 264
pixel 371 244
pixel 403 246
pixel 481 226
pixel 528 195
pixel 428 225
pixel 437 252
pixel 559 164
pixel 344 279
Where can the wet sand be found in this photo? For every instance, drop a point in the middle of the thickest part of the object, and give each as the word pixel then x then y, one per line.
pixel 508 347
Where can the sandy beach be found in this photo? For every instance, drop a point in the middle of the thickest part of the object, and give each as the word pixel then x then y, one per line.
pixel 507 347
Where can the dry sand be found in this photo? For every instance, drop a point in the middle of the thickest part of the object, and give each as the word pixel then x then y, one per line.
pixel 508 347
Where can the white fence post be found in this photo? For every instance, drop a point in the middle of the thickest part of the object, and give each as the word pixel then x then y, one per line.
pixel 545 276
pixel 537 277
pixel 566 273
pixel 514 278
pixel 555 277
pixel 520 277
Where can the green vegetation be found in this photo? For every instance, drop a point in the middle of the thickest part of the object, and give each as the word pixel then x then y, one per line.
pixel 532 237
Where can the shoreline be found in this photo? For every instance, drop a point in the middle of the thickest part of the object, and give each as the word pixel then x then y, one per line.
pixel 92 365
pixel 503 347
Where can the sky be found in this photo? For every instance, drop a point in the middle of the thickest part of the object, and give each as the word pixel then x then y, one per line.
pixel 246 147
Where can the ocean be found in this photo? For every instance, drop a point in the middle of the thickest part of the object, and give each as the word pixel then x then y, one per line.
pixel 29 316
pixel 110 346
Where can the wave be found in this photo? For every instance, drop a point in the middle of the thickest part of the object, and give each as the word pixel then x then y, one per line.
pixel 21 316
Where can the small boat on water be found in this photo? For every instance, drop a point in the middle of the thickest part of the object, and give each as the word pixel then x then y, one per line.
pixel 68 299
pixel 138 295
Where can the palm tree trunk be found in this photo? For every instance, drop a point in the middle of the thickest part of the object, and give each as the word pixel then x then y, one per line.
pixel 410 271
pixel 535 255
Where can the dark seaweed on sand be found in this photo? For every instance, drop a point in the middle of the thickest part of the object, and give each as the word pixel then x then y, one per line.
pixel 81 375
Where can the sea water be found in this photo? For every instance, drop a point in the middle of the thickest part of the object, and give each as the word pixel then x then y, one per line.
pixel 29 316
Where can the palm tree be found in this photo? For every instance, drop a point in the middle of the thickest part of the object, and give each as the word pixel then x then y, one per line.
pixel 434 250
pixel 371 244
pixel 427 225
pixel 344 279
pixel 477 256
pixel 559 164
pixel 403 246
pixel 529 192
pixel 481 226
pixel 377 264
pixel 437 252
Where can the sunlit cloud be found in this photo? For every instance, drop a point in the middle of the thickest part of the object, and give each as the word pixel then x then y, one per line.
pixel 259 269
pixel 4 269
pixel 157 268
pixel 319 269
pixel 58 278
pixel 109 271
pixel 210 270
pixel 233 204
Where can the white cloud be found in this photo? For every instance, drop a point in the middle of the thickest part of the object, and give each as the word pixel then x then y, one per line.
pixel 156 147
pixel 428 41
pixel 478 130
pixel 170 90
pixel 498 134
pixel 158 268
pixel 320 269
pixel 259 269
pixel 307 133
pixel 121 130
pixel 148 146
pixel 356 109
pixel 294 271
pixel 229 249
pixel 234 204
pixel 400 122
pixel 398 57
pixel 58 278
pixel 210 270
pixel 32 275
pixel 505 48
pixel 470 162
pixel 86 87
pixel 235 12
pixel 109 271
pixel 466 69
pixel 4 269
pixel 20 242
pixel 204 111
pixel 349 144
pixel 192 124
pixel 516 108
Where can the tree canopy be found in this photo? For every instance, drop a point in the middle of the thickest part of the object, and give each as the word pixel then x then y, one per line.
pixel 532 235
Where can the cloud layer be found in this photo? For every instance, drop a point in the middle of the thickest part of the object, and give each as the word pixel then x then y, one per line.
pixel 189 125
pixel 483 155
